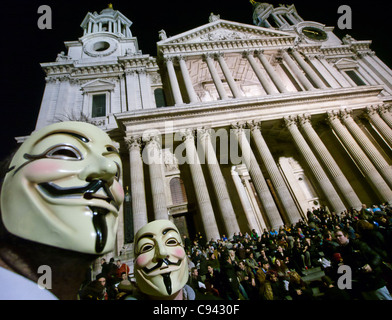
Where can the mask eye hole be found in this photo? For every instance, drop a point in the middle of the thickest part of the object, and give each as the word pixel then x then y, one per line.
pixel 145 248
pixel 64 152
pixel 172 242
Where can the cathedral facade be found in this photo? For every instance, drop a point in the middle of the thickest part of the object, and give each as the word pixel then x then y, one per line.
pixel 231 127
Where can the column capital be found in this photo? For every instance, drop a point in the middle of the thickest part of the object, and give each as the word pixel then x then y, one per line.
pixel 187 134
pixel 333 115
pixel 209 55
pixel 304 119
pixel 290 121
pixel 238 126
pixel 133 142
pixel 171 58
pixel 254 125
pixel 346 114
pixel 203 132
pixel 152 140
pixel 247 53
pixel 372 110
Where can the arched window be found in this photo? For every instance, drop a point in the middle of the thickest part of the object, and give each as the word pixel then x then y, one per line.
pixel 177 190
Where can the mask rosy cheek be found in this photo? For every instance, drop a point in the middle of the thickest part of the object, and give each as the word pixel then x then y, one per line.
pixel 119 191
pixel 179 252
pixel 141 260
pixel 42 170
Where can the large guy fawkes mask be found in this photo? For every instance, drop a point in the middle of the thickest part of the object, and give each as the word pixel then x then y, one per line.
pixel 161 266
pixel 62 188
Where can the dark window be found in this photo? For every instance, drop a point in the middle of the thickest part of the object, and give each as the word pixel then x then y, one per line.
pixel 354 77
pixel 99 105
pixel 159 98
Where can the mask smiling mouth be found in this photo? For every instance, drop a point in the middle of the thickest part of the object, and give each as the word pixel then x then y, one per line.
pixel 89 191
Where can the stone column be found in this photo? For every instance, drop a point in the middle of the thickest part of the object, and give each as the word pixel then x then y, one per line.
pixel 374 155
pixel 209 58
pixel 259 182
pixel 187 79
pixel 152 155
pixel 277 180
pixel 375 118
pixel 297 71
pixel 308 70
pixel 257 70
pixel 139 207
pixel 229 78
pixel 173 81
pixel 271 72
pixel 326 186
pixel 219 182
pixel 340 180
pixel 372 175
pixel 386 114
pixel 246 205
pixel 199 183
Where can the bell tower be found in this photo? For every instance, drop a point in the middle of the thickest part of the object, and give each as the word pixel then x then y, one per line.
pixel 282 17
pixel 101 74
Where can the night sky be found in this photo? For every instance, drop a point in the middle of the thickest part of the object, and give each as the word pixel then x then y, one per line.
pixel 24 46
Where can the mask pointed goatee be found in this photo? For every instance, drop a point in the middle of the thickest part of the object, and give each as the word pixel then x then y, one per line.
pixel 167 282
pixel 101 228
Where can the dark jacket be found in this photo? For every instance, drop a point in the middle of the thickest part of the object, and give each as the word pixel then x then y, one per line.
pixel 357 254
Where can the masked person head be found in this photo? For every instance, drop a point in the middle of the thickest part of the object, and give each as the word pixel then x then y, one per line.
pixel 62 189
pixel 161 267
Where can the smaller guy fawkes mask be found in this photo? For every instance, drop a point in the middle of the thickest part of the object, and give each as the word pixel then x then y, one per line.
pixel 62 188
pixel 161 266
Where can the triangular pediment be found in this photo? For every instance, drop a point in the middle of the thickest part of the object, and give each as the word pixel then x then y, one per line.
pixel 97 85
pixel 224 30
pixel 346 63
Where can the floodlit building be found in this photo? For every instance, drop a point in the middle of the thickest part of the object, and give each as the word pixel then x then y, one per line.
pixel 231 126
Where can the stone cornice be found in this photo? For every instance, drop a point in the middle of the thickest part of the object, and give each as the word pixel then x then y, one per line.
pixel 222 113
pixel 226 45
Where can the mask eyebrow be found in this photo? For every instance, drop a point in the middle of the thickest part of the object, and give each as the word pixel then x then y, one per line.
pixel 76 135
pixel 167 230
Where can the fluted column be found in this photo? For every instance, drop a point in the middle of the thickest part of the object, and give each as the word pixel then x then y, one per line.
pixel 173 80
pixel 371 173
pixel 271 72
pixel 218 181
pixel 152 155
pixel 138 195
pixel 253 222
pixel 187 79
pixel 340 180
pixel 383 128
pixel 259 182
pixel 386 114
pixel 209 58
pixel 229 77
pixel 308 70
pixel 326 186
pixel 280 186
pixel 200 186
pixel 374 155
pixel 265 83
pixel 297 71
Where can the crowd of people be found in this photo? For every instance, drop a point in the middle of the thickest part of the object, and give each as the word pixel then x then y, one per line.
pixel 273 265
